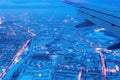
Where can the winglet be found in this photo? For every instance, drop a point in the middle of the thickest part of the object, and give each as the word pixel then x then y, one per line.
pixel 85 24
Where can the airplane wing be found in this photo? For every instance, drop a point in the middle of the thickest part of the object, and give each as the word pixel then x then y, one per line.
pixel 104 13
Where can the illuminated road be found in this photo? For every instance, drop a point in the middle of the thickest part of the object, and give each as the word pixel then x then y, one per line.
pixel 99 51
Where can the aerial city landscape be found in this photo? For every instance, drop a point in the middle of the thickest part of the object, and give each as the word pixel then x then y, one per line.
pixel 39 41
